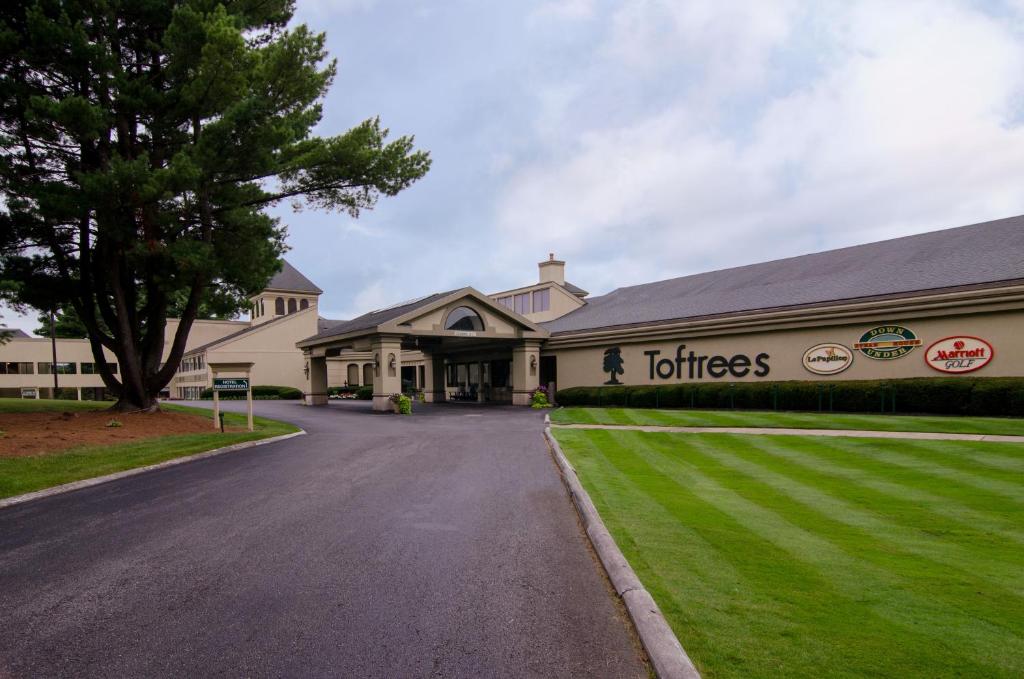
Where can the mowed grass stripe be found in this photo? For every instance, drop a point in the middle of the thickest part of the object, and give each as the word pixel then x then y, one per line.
pixel 797 420
pixel 788 525
pixel 885 538
pixel 914 455
pixel 762 611
pixel 820 456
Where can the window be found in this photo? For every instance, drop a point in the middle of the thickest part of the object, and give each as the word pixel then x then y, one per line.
pixel 304 304
pixel 522 303
pixel 464 318
pixel 279 306
pixel 505 302
pixel 292 308
pixel 91 369
pixel 46 368
pixel 15 368
pixel 541 300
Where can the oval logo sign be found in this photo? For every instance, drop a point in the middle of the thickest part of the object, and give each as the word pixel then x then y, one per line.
pixel 887 342
pixel 828 358
pixel 959 354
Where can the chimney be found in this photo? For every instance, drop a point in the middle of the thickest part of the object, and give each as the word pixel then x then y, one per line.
pixel 552 270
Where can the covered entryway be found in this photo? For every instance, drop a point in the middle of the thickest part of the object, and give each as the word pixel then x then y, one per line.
pixel 456 346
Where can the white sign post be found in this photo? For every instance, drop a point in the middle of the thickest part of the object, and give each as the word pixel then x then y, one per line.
pixel 235 384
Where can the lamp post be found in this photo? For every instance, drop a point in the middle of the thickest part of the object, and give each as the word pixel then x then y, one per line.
pixel 53 347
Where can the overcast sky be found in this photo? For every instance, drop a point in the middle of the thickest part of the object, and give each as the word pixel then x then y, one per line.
pixel 641 140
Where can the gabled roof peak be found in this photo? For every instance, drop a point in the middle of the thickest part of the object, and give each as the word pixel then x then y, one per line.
pixel 290 279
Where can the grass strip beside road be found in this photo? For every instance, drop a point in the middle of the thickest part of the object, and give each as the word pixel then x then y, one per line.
pixel 808 557
pixel 761 418
pixel 20 475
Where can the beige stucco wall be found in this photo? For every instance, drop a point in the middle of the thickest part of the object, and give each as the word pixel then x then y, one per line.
pixel 785 348
pixel 201 332
pixel 561 301
pixel 78 351
pixel 271 348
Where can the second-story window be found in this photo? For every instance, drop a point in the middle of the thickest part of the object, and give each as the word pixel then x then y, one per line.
pixel 541 300
pixel 522 303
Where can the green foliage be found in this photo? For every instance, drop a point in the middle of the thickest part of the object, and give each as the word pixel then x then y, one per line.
pixel 260 392
pixel 991 396
pixel 67 324
pixel 404 405
pixel 539 400
pixel 364 393
pixel 143 144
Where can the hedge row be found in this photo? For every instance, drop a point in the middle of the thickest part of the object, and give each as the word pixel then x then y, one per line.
pixel 260 392
pixel 941 396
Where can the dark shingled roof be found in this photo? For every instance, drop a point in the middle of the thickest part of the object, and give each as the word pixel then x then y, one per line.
pixel 15 333
pixel 979 254
pixel 375 318
pixel 290 278
pixel 325 324
pixel 575 289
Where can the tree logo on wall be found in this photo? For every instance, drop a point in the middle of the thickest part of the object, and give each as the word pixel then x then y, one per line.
pixel 613 364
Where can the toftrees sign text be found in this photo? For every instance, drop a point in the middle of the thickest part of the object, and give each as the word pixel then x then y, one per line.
pixel 693 366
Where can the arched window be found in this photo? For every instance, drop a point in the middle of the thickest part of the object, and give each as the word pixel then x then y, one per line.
pixel 279 306
pixel 464 318
pixel 304 304
pixel 291 305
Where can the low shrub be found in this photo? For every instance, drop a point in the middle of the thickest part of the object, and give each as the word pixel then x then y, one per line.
pixel 364 393
pixel 991 396
pixel 540 399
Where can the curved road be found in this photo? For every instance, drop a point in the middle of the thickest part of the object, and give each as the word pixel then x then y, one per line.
pixel 441 544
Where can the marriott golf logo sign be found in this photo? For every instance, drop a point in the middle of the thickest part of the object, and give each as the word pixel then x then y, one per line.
pixel 887 342
pixel 960 354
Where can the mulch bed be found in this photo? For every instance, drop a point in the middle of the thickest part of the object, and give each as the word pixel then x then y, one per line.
pixel 36 433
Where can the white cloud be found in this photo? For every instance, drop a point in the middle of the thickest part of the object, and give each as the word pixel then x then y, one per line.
pixel 906 126
pixel 572 10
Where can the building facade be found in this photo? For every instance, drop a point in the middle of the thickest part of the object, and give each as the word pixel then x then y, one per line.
pixel 945 303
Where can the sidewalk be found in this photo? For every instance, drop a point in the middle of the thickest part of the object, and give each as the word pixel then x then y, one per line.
pixel 779 431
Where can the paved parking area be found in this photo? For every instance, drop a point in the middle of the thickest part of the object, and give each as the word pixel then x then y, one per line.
pixel 441 544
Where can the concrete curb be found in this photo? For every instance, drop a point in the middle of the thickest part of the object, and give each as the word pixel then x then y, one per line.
pixel 663 648
pixel 87 483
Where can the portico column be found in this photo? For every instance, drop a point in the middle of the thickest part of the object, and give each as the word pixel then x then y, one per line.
pixel 387 371
pixel 433 378
pixel 525 371
pixel 316 384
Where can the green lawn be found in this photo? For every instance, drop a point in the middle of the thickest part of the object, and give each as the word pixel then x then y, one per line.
pixel 801 556
pixel 767 418
pixel 26 474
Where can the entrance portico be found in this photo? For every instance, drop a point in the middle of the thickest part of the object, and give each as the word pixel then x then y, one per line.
pixel 464 347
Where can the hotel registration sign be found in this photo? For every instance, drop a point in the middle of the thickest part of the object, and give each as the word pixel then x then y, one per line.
pixel 231 384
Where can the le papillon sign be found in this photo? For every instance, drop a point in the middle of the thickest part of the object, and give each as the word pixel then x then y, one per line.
pixel 958 354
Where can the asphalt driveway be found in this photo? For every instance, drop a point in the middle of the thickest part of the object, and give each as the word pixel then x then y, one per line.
pixel 441 544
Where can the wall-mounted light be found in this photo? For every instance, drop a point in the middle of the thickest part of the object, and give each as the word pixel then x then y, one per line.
pixel 305 369
pixel 533 361
pixel 391 361
pixel 376 361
